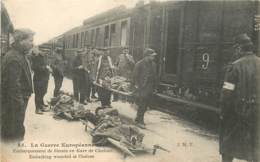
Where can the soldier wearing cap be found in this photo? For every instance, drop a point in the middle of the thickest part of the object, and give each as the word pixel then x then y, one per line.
pixel 40 78
pixel 125 64
pixel 16 86
pixel 80 78
pixel 239 133
pixel 145 80
pixel 89 59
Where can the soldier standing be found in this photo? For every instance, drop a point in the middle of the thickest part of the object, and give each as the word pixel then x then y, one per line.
pixel 105 69
pixel 144 78
pixel 40 79
pixel 239 133
pixel 125 64
pixel 16 86
pixel 80 78
pixel 58 67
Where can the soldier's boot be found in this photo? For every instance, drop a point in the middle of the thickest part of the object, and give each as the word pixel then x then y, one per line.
pixel 227 158
pixel 140 125
pixel 45 109
pixel 38 111
pixel 139 122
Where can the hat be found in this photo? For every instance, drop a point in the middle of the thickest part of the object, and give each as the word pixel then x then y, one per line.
pixel 242 39
pixel 149 52
pixel 21 34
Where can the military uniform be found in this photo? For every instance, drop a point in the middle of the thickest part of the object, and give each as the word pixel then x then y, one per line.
pixel 105 70
pixel 40 79
pixel 144 77
pixel 80 80
pixel 16 88
pixel 239 135
pixel 58 67
pixel 92 66
pixel 125 66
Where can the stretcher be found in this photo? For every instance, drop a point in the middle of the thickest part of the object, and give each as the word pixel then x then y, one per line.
pixel 127 94
pixel 126 149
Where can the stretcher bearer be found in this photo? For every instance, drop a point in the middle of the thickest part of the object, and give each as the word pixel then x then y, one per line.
pixel 80 78
pixel 58 67
pixel 89 64
pixel 105 69
pixel 145 80
pixel 125 65
pixel 239 135
pixel 40 79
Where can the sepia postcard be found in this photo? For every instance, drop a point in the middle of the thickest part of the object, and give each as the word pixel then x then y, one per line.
pixel 130 81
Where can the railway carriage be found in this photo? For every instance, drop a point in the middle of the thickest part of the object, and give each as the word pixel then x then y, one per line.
pixel 193 39
pixel 7 29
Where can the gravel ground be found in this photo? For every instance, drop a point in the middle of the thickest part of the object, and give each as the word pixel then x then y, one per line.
pixel 186 141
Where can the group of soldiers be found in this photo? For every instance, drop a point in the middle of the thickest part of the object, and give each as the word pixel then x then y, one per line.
pixel 95 65
pixel 239 132
pixel 26 70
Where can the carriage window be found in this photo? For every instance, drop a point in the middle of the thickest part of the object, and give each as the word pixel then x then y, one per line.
pixel 97 37
pixel 113 28
pixel 238 18
pixel 209 23
pixel 86 38
pixel 70 41
pixel 82 39
pixel 123 33
pixel 113 39
pixel 77 40
pixel 92 37
pixel 106 38
pixel 74 41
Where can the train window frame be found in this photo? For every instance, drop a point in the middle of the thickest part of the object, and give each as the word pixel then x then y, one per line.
pixel 113 28
pixel 125 24
pixel 77 40
pixel 86 38
pixel 92 37
pixel 97 31
pixel 82 39
pixel 106 35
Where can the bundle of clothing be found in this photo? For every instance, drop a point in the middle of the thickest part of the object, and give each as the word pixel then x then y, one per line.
pixel 109 125
pixel 64 107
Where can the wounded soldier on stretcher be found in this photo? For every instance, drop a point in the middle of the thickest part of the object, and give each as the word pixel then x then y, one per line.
pixel 109 125
pixel 64 107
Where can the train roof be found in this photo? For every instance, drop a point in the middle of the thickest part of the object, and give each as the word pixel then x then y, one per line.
pixel 6 22
pixel 107 16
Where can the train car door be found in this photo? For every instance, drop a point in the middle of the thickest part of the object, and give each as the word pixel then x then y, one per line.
pixel 139 23
pixel 172 38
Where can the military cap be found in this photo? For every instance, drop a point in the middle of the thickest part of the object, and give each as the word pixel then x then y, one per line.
pixel 149 52
pixel 21 34
pixel 125 47
pixel 35 50
pixel 242 39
